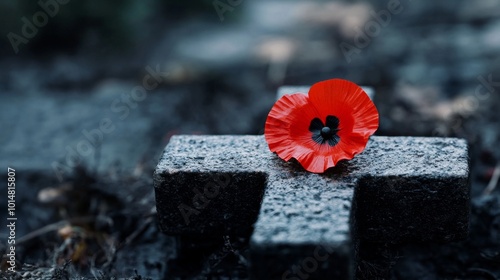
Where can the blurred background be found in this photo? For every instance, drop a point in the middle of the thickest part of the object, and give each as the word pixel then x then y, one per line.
pixel 91 91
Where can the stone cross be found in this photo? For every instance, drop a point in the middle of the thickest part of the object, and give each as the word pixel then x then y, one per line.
pixel 314 226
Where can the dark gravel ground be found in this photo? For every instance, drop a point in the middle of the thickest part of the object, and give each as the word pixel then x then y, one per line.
pixel 426 65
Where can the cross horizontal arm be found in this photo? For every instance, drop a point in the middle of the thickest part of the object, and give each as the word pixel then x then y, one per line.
pixel 400 189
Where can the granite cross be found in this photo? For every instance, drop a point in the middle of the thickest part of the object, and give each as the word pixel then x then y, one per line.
pixel 314 226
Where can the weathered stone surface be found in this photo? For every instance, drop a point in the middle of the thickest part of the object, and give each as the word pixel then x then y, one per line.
pixel 412 189
pixel 211 184
pixel 305 89
pixel 297 213
pixel 303 226
pixel 378 196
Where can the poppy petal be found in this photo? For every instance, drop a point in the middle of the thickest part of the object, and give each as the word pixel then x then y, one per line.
pixel 346 99
pixel 286 125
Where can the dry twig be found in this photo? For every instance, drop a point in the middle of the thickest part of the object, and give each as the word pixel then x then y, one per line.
pixel 493 181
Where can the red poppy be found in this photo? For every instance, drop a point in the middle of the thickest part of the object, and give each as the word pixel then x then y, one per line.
pixel 333 122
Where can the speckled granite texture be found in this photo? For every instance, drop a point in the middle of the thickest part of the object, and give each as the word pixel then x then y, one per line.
pixel 400 189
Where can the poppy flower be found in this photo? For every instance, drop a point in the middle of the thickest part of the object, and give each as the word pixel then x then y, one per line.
pixel 333 122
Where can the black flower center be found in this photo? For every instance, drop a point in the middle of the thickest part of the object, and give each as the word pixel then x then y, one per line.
pixel 325 133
